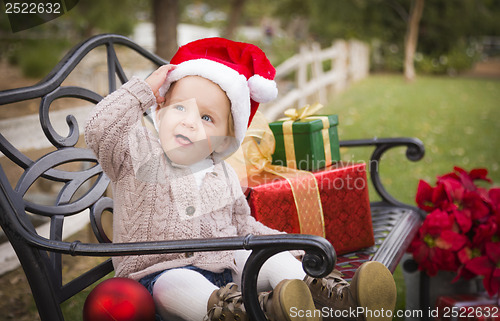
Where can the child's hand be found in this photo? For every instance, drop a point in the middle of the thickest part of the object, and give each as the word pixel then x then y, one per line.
pixel 157 78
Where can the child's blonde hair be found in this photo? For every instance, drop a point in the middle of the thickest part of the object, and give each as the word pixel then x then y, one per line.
pixel 230 125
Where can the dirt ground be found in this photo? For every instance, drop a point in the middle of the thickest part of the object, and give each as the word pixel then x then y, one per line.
pixel 486 69
pixel 10 78
pixel 16 302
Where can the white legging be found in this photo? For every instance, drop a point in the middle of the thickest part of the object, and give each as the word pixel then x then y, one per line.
pixel 182 294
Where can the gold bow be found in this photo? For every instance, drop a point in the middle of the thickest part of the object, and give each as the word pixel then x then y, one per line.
pixel 302 113
pixel 255 156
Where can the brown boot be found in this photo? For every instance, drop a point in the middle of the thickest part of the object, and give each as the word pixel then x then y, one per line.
pixel 226 304
pixel 290 300
pixel 370 296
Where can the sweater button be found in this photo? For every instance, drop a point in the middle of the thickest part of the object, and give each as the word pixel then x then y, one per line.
pixel 214 173
pixel 190 210
pixel 189 254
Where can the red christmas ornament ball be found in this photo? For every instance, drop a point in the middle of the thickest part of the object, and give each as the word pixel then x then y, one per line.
pixel 119 299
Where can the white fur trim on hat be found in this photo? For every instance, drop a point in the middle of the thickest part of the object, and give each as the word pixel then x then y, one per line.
pixel 262 90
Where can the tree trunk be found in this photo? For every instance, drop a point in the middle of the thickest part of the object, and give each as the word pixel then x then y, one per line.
pixel 411 39
pixel 234 18
pixel 166 19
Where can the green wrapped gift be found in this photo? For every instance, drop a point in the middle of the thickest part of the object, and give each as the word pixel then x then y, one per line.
pixel 306 142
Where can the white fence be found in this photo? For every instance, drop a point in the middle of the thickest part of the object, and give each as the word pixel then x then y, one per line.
pixel 316 73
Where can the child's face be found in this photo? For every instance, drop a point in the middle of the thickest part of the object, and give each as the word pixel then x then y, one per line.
pixel 194 120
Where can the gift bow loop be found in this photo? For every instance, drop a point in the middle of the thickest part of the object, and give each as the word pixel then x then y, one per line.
pixel 302 113
pixel 258 145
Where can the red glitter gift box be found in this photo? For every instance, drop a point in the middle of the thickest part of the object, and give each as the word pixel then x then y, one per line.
pixel 344 198
pixel 461 307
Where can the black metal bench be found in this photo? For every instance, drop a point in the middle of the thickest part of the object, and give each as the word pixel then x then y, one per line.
pixel 394 223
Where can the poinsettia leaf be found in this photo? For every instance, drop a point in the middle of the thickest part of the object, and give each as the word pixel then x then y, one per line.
pixel 464 273
pixel 424 196
pixel 494 199
pixel 491 284
pixel 474 202
pixel 463 219
pixel 436 222
pixel 446 259
pixel 440 197
pixel 451 175
pixel 480 265
pixel 484 232
pixel 450 240
pixel 493 252
pixel 465 254
pixel 420 251
pixel 462 230
pixel 480 174
pixel 494 194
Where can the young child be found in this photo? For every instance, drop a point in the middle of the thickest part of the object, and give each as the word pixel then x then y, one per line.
pixel 175 185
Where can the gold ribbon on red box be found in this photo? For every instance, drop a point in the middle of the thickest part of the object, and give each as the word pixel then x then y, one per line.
pixel 256 156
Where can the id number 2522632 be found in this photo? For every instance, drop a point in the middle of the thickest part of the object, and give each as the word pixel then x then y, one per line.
pixel 471 312
pixel 32 7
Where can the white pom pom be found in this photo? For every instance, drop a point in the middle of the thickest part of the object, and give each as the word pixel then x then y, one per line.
pixel 262 90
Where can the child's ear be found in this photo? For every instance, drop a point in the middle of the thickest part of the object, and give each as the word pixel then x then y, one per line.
pixel 159 110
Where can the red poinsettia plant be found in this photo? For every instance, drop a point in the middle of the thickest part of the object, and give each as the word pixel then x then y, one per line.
pixel 461 231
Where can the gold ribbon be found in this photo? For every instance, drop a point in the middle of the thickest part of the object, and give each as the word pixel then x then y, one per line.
pixel 305 112
pixel 257 149
pixel 302 113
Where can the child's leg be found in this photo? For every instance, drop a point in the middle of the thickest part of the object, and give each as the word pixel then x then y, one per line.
pixel 290 298
pixel 276 269
pixel 182 294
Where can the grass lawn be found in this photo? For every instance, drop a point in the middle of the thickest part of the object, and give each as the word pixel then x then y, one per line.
pixel 457 119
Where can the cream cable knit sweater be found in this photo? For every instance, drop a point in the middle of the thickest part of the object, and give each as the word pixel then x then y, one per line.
pixel 157 200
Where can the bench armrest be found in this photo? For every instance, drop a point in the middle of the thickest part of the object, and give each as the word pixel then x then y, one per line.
pixel 319 259
pixel 414 152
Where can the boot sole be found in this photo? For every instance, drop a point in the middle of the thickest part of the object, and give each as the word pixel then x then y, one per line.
pixel 376 291
pixel 296 302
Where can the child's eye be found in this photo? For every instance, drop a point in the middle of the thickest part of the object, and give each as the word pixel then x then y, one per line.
pixel 179 107
pixel 206 118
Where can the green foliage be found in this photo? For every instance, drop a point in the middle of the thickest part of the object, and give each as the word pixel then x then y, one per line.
pixel 39 49
pixel 387 57
pixel 456 61
pixel 401 290
pixel 73 308
pixel 390 57
pixel 445 25
pixel 37 58
pixel 113 16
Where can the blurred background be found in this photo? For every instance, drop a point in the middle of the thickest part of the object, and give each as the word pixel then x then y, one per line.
pixel 444 37
pixel 388 68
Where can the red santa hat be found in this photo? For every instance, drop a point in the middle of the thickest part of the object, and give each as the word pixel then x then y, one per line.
pixel 242 70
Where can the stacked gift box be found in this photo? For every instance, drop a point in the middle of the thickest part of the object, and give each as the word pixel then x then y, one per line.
pixel 344 199
pixel 311 144
pixel 462 307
